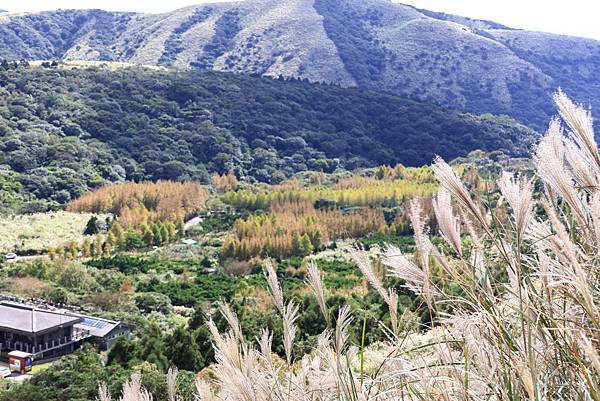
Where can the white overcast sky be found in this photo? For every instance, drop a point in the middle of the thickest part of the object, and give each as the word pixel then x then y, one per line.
pixel 573 17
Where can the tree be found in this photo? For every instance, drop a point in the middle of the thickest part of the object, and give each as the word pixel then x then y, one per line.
pixel 306 246
pixel 152 348
pixel 147 235
pixel 117 231
pixel 149 302
pixel 180 227
pixel 71 250
pixel 98 243
pixel 164 232
pixel 183 351
pixel 106 249
pixel 296 245
pixel 316 239
pixel 91 227
pixel 156 234
pixel 86 248
pixel 122 352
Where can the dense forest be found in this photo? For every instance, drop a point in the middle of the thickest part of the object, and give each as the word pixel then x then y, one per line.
pixel 64 131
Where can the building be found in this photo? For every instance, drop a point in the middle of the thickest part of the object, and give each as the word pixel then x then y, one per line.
pixel 103 333
pixel 43 333
pixel 46 333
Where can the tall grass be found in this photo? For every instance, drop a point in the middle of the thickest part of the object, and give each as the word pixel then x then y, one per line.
pixel 525 327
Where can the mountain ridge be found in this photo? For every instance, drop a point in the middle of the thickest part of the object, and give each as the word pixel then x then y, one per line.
pixel 472 65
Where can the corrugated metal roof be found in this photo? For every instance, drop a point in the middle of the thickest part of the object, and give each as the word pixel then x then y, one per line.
pixel 28 319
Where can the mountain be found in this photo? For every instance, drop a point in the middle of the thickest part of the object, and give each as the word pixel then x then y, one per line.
pixel 471 65
pixel 65 130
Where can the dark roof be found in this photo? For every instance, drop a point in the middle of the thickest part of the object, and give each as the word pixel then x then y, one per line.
pixel 27 319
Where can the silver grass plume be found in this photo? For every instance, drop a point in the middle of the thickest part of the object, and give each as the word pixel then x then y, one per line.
pixel 232 320
pixel 103 393
pixel 421 240
pixel 361 258
pixel 416 279
pixel 203 391
pixel 551 169
pixel 315 282
pixel 172 384
pixel 448 223
pixel 519 194
pixel 448 179
pixel 133 390
pixel 341 329
pixel 580 120
pixel 290 316
pixel 274 286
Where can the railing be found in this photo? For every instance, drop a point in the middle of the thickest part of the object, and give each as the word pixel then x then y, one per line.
pixel 45 347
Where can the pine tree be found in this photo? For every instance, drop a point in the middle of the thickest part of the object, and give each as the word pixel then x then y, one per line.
pixel 172 230
pixel 296 245
pixel 98 243
pixel 180 227
pixel 156 234
pixel 86 248
pixel 107 249
pixel 147 235
pixel 164 232
pixel 306 246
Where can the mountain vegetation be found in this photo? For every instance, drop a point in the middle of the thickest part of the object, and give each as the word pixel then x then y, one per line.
pixel 471 65
pixel 66 131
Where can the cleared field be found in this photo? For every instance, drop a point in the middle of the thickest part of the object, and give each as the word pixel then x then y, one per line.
pixel 40 231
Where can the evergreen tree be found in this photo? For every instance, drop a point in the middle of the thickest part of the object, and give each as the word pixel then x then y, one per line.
pixel 86 248
pixel 147 235
pixel 164 232
pixel 98 243
pixel 92 226
pixel 122 352
pixel 156 234
pixel 180 227
pixel 152 348
pixel 306 245
pixel 183 351
pixel 296 245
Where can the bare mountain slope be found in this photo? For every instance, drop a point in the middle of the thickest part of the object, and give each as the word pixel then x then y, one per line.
pixel 478 66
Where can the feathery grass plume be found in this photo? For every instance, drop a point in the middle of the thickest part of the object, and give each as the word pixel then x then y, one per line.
pixel 595 214
pixel 421 241
pixel 393 308
pixel 343 322
pixel 447 177
pixel 103 393
pixel 315 282
pixel 580 120
pixel 519 194
pixel 289 316
pixel 582 168
pixel 362 260
pixel 133 390
pixel 203 391
pixel 232 320
pixel 551 169
pixel 265 343
pixel 590 351
pixel 448 223
pixel 274 286
pixel 172 384
pixel 416 279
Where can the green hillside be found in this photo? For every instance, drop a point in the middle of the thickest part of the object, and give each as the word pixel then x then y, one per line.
pixel 64 131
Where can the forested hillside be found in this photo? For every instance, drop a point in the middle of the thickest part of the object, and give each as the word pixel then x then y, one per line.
pixel 471 65
pixel 66 131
